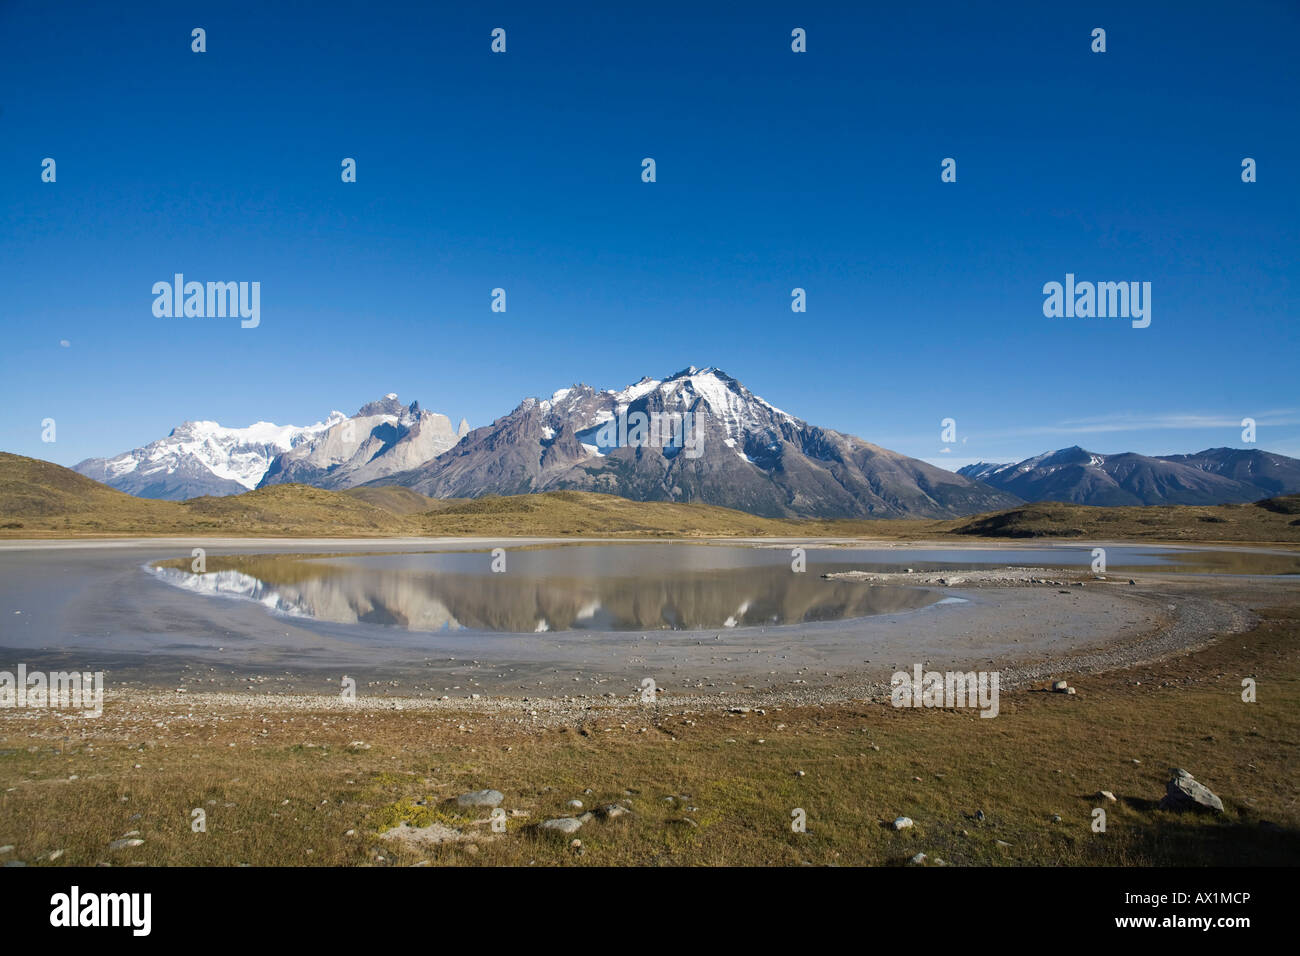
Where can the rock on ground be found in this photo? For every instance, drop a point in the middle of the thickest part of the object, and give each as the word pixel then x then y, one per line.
pixel 562 825
pixel 1183 793
pixel 480 798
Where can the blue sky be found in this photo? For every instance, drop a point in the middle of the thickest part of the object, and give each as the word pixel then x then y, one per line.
pixel 775 170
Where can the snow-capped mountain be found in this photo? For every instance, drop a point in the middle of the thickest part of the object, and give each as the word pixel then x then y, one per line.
pixel 698 435
pixel 1213 476
pixel 382 438
pixel 205 458
pixel 201 458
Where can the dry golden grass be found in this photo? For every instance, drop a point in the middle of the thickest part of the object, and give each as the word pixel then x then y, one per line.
pixel 40 499
pixel 399 500
pixel 1273 520
pixel 291 786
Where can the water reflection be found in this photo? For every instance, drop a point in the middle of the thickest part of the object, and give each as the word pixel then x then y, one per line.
pixel 422 600
pixel 643 586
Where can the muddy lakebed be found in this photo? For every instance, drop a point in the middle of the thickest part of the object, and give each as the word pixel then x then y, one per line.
pixel 463 617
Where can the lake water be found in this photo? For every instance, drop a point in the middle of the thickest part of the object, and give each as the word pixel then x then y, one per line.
pixel 636 586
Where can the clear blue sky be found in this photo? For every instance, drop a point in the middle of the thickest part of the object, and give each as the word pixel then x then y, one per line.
pixel 775 170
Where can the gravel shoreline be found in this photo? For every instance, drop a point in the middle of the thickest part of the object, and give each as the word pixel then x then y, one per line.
pixel 1195 613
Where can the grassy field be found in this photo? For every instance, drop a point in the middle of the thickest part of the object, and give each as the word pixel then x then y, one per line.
pixel 320 787
pixel 39 499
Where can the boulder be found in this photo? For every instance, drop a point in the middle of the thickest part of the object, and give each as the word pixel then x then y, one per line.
pixel 562 825
pixel 1183 793
pixel 480 798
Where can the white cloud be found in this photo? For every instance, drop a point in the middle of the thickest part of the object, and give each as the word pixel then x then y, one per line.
pixel 1132 422
pixel 951 464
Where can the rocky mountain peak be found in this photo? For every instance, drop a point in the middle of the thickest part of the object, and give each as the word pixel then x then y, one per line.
pixel 388 405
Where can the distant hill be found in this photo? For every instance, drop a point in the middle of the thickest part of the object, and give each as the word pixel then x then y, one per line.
pixel 34 493
pixel 42 499
pixel 400 501
pixel 1270 520
pixel 1211 477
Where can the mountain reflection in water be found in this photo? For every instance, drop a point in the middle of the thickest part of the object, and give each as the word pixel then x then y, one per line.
pixel 656 598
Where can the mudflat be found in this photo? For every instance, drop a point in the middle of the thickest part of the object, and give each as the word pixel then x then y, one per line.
pixel 96 606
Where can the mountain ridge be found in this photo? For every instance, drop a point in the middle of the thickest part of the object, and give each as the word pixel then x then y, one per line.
pixel 697 435
pixel 1075 475
pixel 39 499
pixel 201 457
pixel 753 456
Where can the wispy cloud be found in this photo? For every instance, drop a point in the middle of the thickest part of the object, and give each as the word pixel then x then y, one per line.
pixel 1129 422
pixel 1009 444
pixel 1133 422
pixel 950 463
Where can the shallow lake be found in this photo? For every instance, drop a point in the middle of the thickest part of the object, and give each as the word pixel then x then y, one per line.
pixel 636 586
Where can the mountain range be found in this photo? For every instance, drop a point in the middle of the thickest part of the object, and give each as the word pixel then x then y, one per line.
pixel 752 456
pixel 382 438
pixel 730 448
pixel 205 458
pixel 202 458
pixel 710 440
pixel 1078 476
